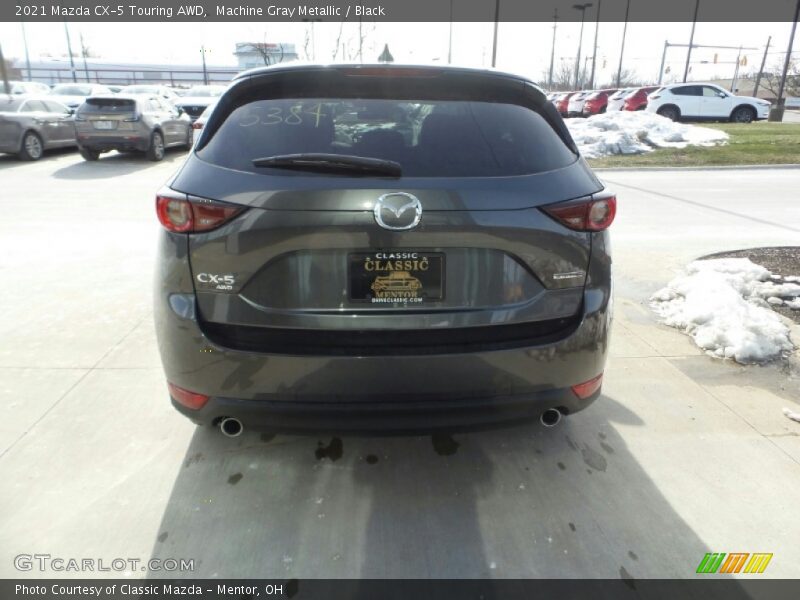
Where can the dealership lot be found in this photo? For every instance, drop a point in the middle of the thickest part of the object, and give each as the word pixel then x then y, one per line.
pixel 683 455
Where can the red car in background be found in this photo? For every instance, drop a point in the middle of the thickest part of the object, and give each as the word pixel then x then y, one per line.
pixel 637 100
pixel 597 102
pixel 562 102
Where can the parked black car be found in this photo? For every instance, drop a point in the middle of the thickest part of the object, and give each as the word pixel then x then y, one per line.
pixel 29 125
pixel 386 247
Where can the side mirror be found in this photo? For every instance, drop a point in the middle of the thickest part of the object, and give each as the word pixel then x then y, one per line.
pixel 70 111
pixel 179 109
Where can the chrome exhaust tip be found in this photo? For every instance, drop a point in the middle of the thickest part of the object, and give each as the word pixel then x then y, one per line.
pixel 550 417
pixel 231 427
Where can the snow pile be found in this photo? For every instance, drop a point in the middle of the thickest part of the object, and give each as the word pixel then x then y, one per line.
pixel 724 304
pixel 627 132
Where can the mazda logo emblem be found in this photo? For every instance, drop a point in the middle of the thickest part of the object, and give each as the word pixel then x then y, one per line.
pixel 398 211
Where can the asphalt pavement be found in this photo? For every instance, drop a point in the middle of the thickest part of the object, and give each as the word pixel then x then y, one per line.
pixel 681 456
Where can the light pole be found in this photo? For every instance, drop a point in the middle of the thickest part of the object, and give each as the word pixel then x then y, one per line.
pixel 205 71
pixel 691 41
pixel 594 54
pixel 552 51
pixel 778 110
pixel 496 23
pixel 450 37
pixel 582 8
pixel 69 51
pixel 622 48
pixel 3 73
pixel 27 56
pixel 761 70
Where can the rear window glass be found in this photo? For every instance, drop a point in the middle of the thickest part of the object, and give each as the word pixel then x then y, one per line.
pixel 108 105
pixel 428 138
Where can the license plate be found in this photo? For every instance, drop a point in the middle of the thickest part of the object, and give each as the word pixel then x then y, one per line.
pixel 104 124
pixel 396 277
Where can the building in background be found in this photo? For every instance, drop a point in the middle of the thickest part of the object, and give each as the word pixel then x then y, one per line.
pixel 258 54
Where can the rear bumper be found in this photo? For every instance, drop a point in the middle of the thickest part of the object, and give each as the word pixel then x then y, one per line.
pixel 103 143
pixel 393 392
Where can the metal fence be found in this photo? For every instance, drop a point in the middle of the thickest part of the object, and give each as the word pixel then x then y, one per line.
pixel 126 76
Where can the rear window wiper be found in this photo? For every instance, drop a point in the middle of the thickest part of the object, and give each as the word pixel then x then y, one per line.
pixel 331 163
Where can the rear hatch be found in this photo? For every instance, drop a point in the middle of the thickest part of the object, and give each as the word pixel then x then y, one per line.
pixel 106 115
pixel 457 240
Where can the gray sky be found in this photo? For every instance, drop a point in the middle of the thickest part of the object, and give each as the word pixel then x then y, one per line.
pixel 523 47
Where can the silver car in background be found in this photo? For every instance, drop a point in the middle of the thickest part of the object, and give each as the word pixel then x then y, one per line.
pixel 130 123
pixel 198 98
pixel 30 125
pixel 73 94
pixel 617 99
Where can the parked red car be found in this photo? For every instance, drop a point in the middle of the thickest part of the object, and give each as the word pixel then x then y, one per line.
pixel 597 102
pixel 562 102
pixel 637 100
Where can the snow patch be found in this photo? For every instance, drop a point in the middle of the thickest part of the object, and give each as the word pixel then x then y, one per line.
pixel 626 132
pixel 723 304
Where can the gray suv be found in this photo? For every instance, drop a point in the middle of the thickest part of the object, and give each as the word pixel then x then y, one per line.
pixel 130 123
pixel 382 247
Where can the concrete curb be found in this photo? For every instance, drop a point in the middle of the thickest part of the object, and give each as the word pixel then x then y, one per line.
pixel 709 168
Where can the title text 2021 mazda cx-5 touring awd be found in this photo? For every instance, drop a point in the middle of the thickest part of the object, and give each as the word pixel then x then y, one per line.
pixel 382 247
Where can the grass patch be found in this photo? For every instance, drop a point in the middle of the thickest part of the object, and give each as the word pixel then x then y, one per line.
pixel 761 143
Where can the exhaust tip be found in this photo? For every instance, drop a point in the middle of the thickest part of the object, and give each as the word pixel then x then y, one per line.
pixel 550 417
pixel 231 427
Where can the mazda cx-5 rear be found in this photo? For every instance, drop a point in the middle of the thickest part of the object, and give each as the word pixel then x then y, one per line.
pixel 388 247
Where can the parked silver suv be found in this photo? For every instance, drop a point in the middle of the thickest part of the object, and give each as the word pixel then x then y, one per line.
pixel 131 123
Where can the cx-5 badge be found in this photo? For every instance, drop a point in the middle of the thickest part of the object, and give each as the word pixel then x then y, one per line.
pixel 398 211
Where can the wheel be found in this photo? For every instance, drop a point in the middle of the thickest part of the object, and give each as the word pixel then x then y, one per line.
pixel 670 112
pixel 89 154
pixel 743 114
pixel 156 150
pixel 189 138
pixel 32 147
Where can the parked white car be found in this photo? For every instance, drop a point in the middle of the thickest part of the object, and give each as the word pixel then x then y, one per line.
pixel 705 101
pixel 616 99
pixel 575 106
pixel 73 94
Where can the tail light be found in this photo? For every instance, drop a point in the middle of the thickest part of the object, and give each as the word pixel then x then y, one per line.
pixel 132 119
pixel 197 125
pixel 179 214
pixel 186 398
pixel 654 97
pixel 587 388
pixel 586 214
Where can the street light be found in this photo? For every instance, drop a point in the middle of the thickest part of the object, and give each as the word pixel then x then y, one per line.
pixel 691 41
pixel 552 51
pixel 594 54
pixel 582 8
pixel 622 48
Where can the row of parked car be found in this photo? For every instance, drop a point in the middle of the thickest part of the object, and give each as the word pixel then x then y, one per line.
pixel 677 101
pixel 96 119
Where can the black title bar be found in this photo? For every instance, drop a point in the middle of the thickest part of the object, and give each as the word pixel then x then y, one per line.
pixel 396 10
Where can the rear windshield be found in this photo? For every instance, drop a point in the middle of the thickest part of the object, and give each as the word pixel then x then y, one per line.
pixel 429 138
pixel 108 105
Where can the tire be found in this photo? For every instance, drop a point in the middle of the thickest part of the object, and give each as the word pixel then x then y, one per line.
pixel 156 150
pixel 90 155
pixel 743 114
pixel 32 147
pixel 670 112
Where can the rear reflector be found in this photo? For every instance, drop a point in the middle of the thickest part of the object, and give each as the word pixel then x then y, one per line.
pixel 595 213
pixel 179 214
pixel 191 400
pixel 587 388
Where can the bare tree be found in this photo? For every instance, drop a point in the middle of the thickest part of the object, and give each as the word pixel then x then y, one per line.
pixel 563 77
pixel 628 78
pixel 771 80
pixel 266 51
